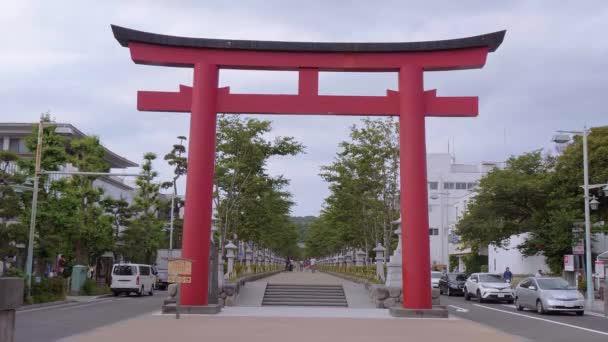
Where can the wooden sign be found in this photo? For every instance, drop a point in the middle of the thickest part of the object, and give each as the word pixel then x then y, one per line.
pixel 179 271
pixel 179 279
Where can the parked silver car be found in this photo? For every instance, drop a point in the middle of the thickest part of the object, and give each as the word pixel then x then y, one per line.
pixel 548 294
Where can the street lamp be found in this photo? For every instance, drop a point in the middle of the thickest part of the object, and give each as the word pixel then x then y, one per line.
pixel 561 138
pixel 594 203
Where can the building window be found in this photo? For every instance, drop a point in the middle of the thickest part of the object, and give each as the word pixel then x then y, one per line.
pixel 449 185
pixel 433 231
pixel 471 185
pixel 461 186
pixel 433 185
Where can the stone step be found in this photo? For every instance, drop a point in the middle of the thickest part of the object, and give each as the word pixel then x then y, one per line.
pixel 306 286
pixel 300 303
pixel 304 291
pixel 304 295
pixel 273 296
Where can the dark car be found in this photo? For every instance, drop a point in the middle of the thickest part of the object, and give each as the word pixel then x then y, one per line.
pixel 452 283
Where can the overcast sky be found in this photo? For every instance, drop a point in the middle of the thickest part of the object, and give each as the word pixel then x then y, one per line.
pixel 550 73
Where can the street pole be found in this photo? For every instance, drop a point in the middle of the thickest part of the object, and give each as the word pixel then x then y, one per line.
pixel 588 251
pixel 442 228
pixel 30 246
pixel 171 226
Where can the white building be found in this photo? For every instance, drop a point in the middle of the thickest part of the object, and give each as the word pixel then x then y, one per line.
pixel 12 138
pixel 449 185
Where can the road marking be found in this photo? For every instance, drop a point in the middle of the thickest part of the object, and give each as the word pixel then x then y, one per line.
pixel 89 304
pixel 544 320
pixel 458 309
pixel 48 307
pixel 509 306
pixel 591 313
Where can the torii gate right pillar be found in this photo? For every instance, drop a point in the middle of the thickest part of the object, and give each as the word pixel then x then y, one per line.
pixel 414 199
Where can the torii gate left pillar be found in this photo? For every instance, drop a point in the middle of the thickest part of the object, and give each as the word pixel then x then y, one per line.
pixel 411 103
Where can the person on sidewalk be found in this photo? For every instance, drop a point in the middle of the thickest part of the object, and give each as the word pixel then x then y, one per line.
pixel 507 276
pixel 539 274
pixel 313 264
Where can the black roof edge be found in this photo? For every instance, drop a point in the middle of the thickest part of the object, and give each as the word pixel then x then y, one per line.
pixel 125 35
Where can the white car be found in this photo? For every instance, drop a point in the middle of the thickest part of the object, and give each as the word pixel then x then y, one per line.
pixel 435 277
pixel 136 278
pixel 487 286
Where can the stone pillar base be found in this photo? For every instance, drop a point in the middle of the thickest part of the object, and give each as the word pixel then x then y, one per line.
pixel 210 309
pixel 438 311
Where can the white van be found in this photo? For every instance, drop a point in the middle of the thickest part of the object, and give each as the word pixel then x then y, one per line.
pixel 127 278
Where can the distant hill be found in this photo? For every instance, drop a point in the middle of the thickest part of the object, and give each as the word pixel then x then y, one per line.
pixel 302 222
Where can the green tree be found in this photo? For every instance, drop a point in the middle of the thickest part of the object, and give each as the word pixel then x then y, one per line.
pixel 144 234
pixel 249 202
pixel 120 211
pixel 69 218
pixel 177 159
pixel 12 230
pixel 538 195
pixel 364 190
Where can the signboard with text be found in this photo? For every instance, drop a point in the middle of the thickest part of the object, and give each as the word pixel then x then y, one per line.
pixel 578 240
pixel 179 271
pixel 569 262
pixel 600 270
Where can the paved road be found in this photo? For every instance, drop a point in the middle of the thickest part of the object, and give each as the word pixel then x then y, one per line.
pixel 54 323
pixel 529 325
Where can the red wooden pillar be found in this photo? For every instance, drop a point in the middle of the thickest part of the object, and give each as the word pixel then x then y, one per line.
pixel 414 200
pixel 199 186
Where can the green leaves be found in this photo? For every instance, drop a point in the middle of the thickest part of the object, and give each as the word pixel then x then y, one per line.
pixel 539 195
pixel 249 202
pixel 363 181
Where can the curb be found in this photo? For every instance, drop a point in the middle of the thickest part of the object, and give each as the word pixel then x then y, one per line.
pixel 43 305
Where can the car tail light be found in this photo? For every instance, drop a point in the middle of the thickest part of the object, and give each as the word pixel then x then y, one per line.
pixel 137 280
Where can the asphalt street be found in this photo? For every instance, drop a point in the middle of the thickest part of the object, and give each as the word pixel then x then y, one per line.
pixel 57 322
pixel 529 325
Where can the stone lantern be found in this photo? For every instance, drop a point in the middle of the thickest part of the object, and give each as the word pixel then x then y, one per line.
pixel 394 274
pixel 360 257
pixel 230 255
pixel 348 259
pixel 380 261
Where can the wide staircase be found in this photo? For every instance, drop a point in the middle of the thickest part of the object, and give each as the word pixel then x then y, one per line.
pixel 304 295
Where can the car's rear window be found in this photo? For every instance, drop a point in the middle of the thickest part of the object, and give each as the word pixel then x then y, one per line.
pixel 125 270
pixel 457 277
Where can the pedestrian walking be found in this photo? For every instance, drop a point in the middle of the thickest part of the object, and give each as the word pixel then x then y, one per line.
pixel 507 276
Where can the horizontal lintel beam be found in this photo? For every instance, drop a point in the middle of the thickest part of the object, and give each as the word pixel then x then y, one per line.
pixel 311 104
pixel 470 58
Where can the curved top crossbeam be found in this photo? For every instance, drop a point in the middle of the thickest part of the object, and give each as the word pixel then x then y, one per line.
pixel 124 35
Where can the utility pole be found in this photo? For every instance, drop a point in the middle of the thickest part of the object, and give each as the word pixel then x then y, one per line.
pixel 30 245
pixel 171 225
pixel 588 251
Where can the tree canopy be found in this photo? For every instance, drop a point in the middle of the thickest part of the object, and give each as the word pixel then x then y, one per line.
pixel 539 195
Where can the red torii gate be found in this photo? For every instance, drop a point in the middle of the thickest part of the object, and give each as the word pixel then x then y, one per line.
pixel 411 103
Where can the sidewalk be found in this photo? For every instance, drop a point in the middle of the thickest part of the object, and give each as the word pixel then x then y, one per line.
pixel 598 307
pixel 294 329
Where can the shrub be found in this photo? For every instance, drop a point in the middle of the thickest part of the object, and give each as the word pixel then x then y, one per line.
pixel 48 290
pixel 14 272
pixel 483 268
pixel 91 288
